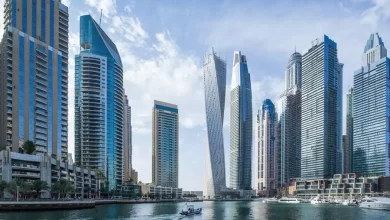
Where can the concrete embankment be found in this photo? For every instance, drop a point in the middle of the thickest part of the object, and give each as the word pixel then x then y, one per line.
pixel 123 201
pixel 45 205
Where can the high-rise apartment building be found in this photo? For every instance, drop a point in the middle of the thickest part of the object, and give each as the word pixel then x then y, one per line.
pixel 34 76
pixel 165 143
pixel 214 69
pixel 339 150
pixel 348 146
pixel 127 140
pixel 290 121
pixel 266 148
pixel 99 103
pixel 371 112
pixel 319 137
pixel 240 125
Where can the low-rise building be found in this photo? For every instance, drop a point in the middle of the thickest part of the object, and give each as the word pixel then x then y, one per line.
pixel 341 185
pixel 198 194
pixel 43 167
pixel 161 192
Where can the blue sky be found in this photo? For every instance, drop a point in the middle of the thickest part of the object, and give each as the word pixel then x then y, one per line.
pixel 162 44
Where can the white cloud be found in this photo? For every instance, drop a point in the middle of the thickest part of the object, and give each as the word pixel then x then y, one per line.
pixel 108 6
pixel 378 12
pixel 66 2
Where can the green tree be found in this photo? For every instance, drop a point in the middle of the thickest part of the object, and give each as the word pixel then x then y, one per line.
pixel 18 185
pixel 28 147
pixel 3 186
pixel 38 186
pixel 62 188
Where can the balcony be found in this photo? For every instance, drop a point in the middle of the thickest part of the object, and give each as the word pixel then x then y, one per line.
pixel 25 167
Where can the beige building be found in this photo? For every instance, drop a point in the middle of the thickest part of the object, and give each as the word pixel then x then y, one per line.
pixel 134 176
pixel 127 140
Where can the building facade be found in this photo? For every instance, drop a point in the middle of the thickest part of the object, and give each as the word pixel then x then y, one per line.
pixel 134 176
pixel 214 69
pixel 240 124
pixel 46 168
pixel 127 140
pixel 162 192
pixel 99 103
pixel 267 149
pixel 319 137
pixel 165 143
pixel 348 147
pixel 339 134
pixel 290 121
pixel 371 114
pixel 340 185
pixel 34 76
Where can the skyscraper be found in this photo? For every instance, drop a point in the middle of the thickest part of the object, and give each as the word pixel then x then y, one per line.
pixel 339 150
pixel 240 125
pixel 165 142
pixel 348 147
pixel 34 76
pixel 99 103
pixel 290 121
pixel 127 140
pixel 266 149
pixel 371 112
pixel 214 69
pixel 319 127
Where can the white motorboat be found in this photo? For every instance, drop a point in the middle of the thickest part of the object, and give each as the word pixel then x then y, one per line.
pixel 316 200
pixel 289 200
pixel 350 202
pixel 271 200
pixel 376 203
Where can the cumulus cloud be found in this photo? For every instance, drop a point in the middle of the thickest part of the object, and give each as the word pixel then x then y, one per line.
pixel 108 6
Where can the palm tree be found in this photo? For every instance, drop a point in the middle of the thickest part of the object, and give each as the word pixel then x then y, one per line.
pixel 28 147
pixel 16 185
pixel 38 186
pixel 3 186
pixel 62 187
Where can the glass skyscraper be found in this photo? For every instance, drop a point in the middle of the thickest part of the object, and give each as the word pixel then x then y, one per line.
pixel 240 125
pixel 34 76
pixel 165 145
pixel 348 146
pixel 266 149
pixel 127 140
pixel 214 69
pixel 371 111
pixel 99 103
pixel 290 121
pixel 319 129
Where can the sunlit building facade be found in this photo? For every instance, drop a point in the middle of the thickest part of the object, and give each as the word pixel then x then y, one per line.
pixel 371 111
pixel 214 69
pixel 240 125
pixel 99 103
pixel 34 76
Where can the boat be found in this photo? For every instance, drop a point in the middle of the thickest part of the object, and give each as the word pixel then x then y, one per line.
pixel 271 200
pixel 191 211
pixel 316 201
pixel 289 200
pixel 375 203
pixel 350 202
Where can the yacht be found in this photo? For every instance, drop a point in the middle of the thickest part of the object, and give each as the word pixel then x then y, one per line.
pixel 316 200
pixel 350 202
pixel 271 200
pixel 289 200
pixel 375 203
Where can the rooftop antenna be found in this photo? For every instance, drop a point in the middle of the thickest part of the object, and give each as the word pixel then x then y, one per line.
pixel 101 13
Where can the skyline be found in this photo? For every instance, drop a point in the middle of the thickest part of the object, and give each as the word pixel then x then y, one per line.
pixel 187 59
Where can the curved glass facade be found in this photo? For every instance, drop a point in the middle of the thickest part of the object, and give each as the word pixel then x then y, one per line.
pixel 95 42
pixel 240 125
pixel 215 88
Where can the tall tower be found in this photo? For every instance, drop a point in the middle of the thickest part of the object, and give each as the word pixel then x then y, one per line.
pixel 34 76
pixel 165 143
pixel 371 113
pixel 339 150
pixel 99 103
pixel 127 140
pixel 214 69
pixel 266 149
pixel 348 147
pixel 320 68
pixel 290 121
pixel 240 125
